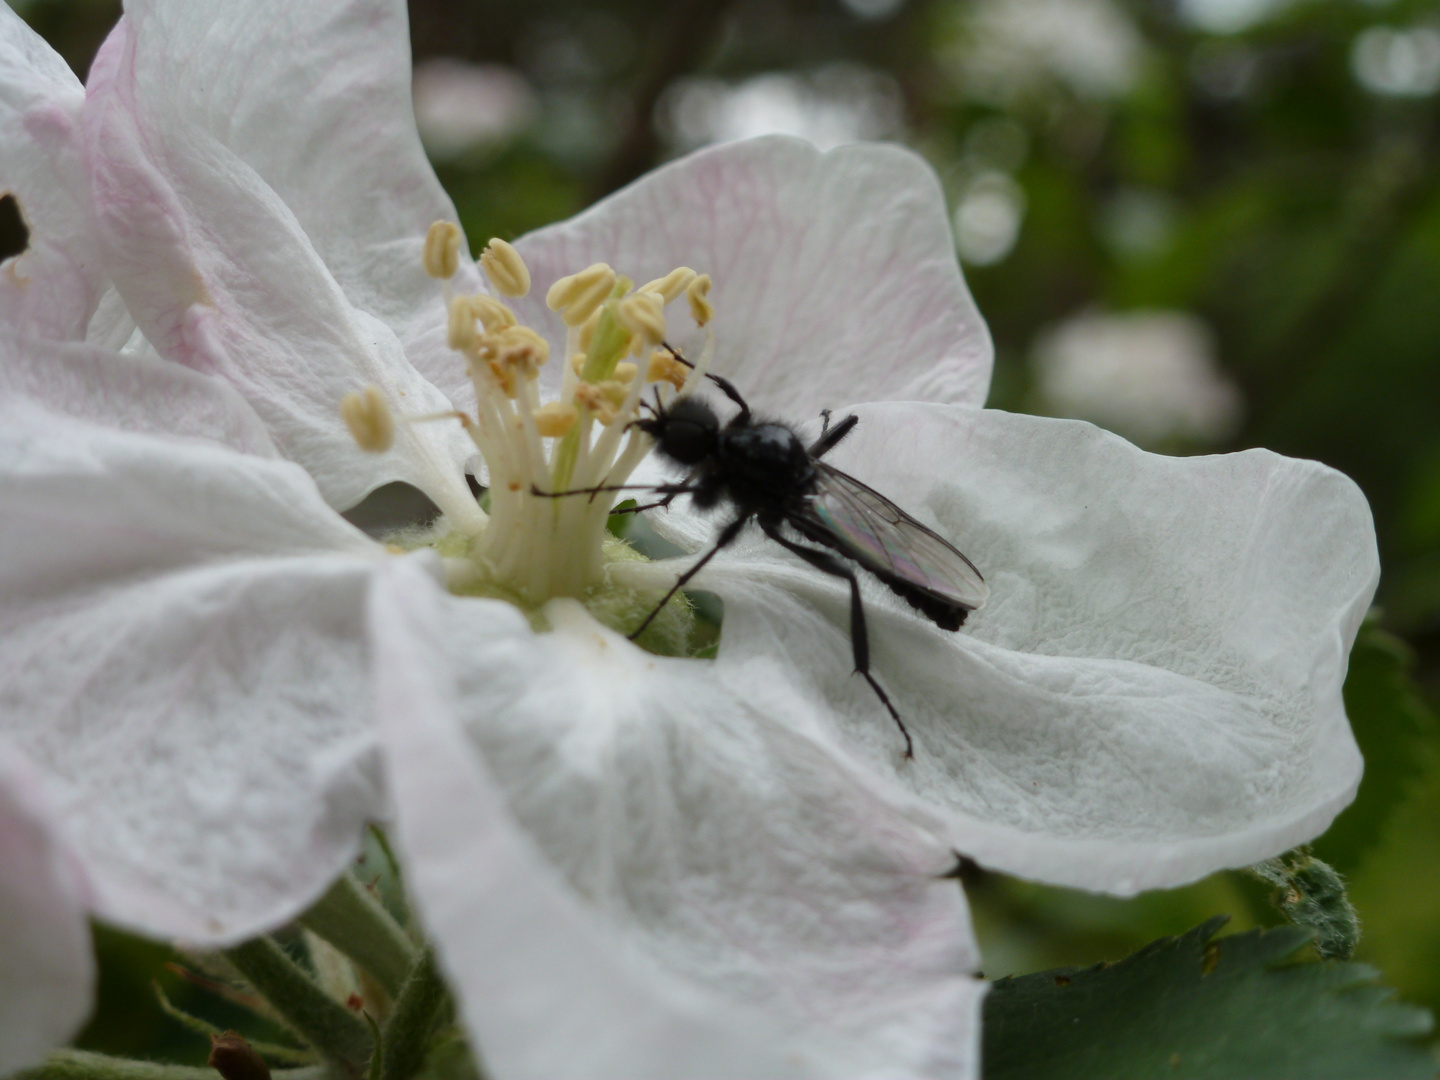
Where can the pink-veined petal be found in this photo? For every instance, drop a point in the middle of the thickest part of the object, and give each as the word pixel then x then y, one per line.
pixel 220 276
pixel 315 97
pixel 835 275
pixel 52 288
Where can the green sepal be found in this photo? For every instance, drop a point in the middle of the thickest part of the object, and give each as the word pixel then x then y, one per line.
pixel 85 1065
pixel 1311 894
pixel 337 1033
pixel 274 1052
pixel 408 1032
pixel 1197 1007
pixel 352 919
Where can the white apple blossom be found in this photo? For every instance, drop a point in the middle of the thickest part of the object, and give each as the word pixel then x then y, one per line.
pixel 631 864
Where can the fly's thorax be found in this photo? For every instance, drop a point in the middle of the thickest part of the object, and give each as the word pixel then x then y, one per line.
pixel 765 464
pixel 540 530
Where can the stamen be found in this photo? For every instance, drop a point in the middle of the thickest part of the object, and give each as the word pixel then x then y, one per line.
pixel 555 418
pixel 701 310
pixel 442 250
pixel 643 314
pixel 672 285
pixel 493 315
pixel 665 368
pixel 578 296
pixel 368 417
pixel 505 268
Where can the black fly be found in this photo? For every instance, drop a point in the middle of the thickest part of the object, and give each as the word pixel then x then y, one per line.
pixel 766 474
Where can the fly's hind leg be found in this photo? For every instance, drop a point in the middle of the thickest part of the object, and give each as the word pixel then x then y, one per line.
pixel 859 637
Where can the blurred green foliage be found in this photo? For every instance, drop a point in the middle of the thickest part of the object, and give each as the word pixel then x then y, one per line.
pixel 1270 169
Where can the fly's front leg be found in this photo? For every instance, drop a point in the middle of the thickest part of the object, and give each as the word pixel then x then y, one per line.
pixel 859 635
pixel 831 437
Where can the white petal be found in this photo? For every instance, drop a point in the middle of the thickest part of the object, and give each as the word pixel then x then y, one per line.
pixel 221 277
pixel 51 289
pixel 47 971
pixel 1153 690
pixel 835 276
pixel 181 653
pixel 134 393
pixel 738 854
pixel 315 97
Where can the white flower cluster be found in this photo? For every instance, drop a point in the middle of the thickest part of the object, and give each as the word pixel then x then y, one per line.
pixel 630 864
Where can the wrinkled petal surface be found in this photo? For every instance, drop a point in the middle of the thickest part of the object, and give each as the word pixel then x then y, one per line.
pixel 835 276
pixel 221 276
pixel 1152 691
pixel 731 849
pixel 315 97
pixel 181 655
pixel 47 971
pixel 52 288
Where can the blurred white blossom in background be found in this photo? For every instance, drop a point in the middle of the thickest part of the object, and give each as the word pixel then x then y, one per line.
pixel 461 107
pixel 836 104
pixel 1229 16
pixel 1396 62
pixel 1007 48
pixel 988 217
pixel 1150 376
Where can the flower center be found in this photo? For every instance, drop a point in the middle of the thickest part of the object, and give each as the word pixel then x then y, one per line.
pixel 545 532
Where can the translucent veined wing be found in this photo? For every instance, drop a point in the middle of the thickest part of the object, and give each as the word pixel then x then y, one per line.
pixel 872 530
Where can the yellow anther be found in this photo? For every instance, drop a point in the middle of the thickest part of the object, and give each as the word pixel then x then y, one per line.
pixel 603 399
pixel 555 418
pixel 367 415
pixel 493 315
pixel 464 334
pixel 505 268
pixel 665 368
pixel 643 314
pixel 614 392
pixel 578 296
pixel 522 349
pixel 672 285
pixel 577 361
pixel 504 375
pixel 625 372
pixel 467 311
pixel 701 310
pixel 442 250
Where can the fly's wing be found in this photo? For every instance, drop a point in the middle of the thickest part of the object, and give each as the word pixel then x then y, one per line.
pixel 872 530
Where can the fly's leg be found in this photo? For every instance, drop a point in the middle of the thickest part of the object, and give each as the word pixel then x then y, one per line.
pixel 831 437
pixel 859 637
pixel 668 490
pixel 726 386
pixel 725 539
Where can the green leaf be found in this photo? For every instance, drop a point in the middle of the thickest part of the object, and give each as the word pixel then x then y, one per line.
pixel 1197 1007
pixel 1397 735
